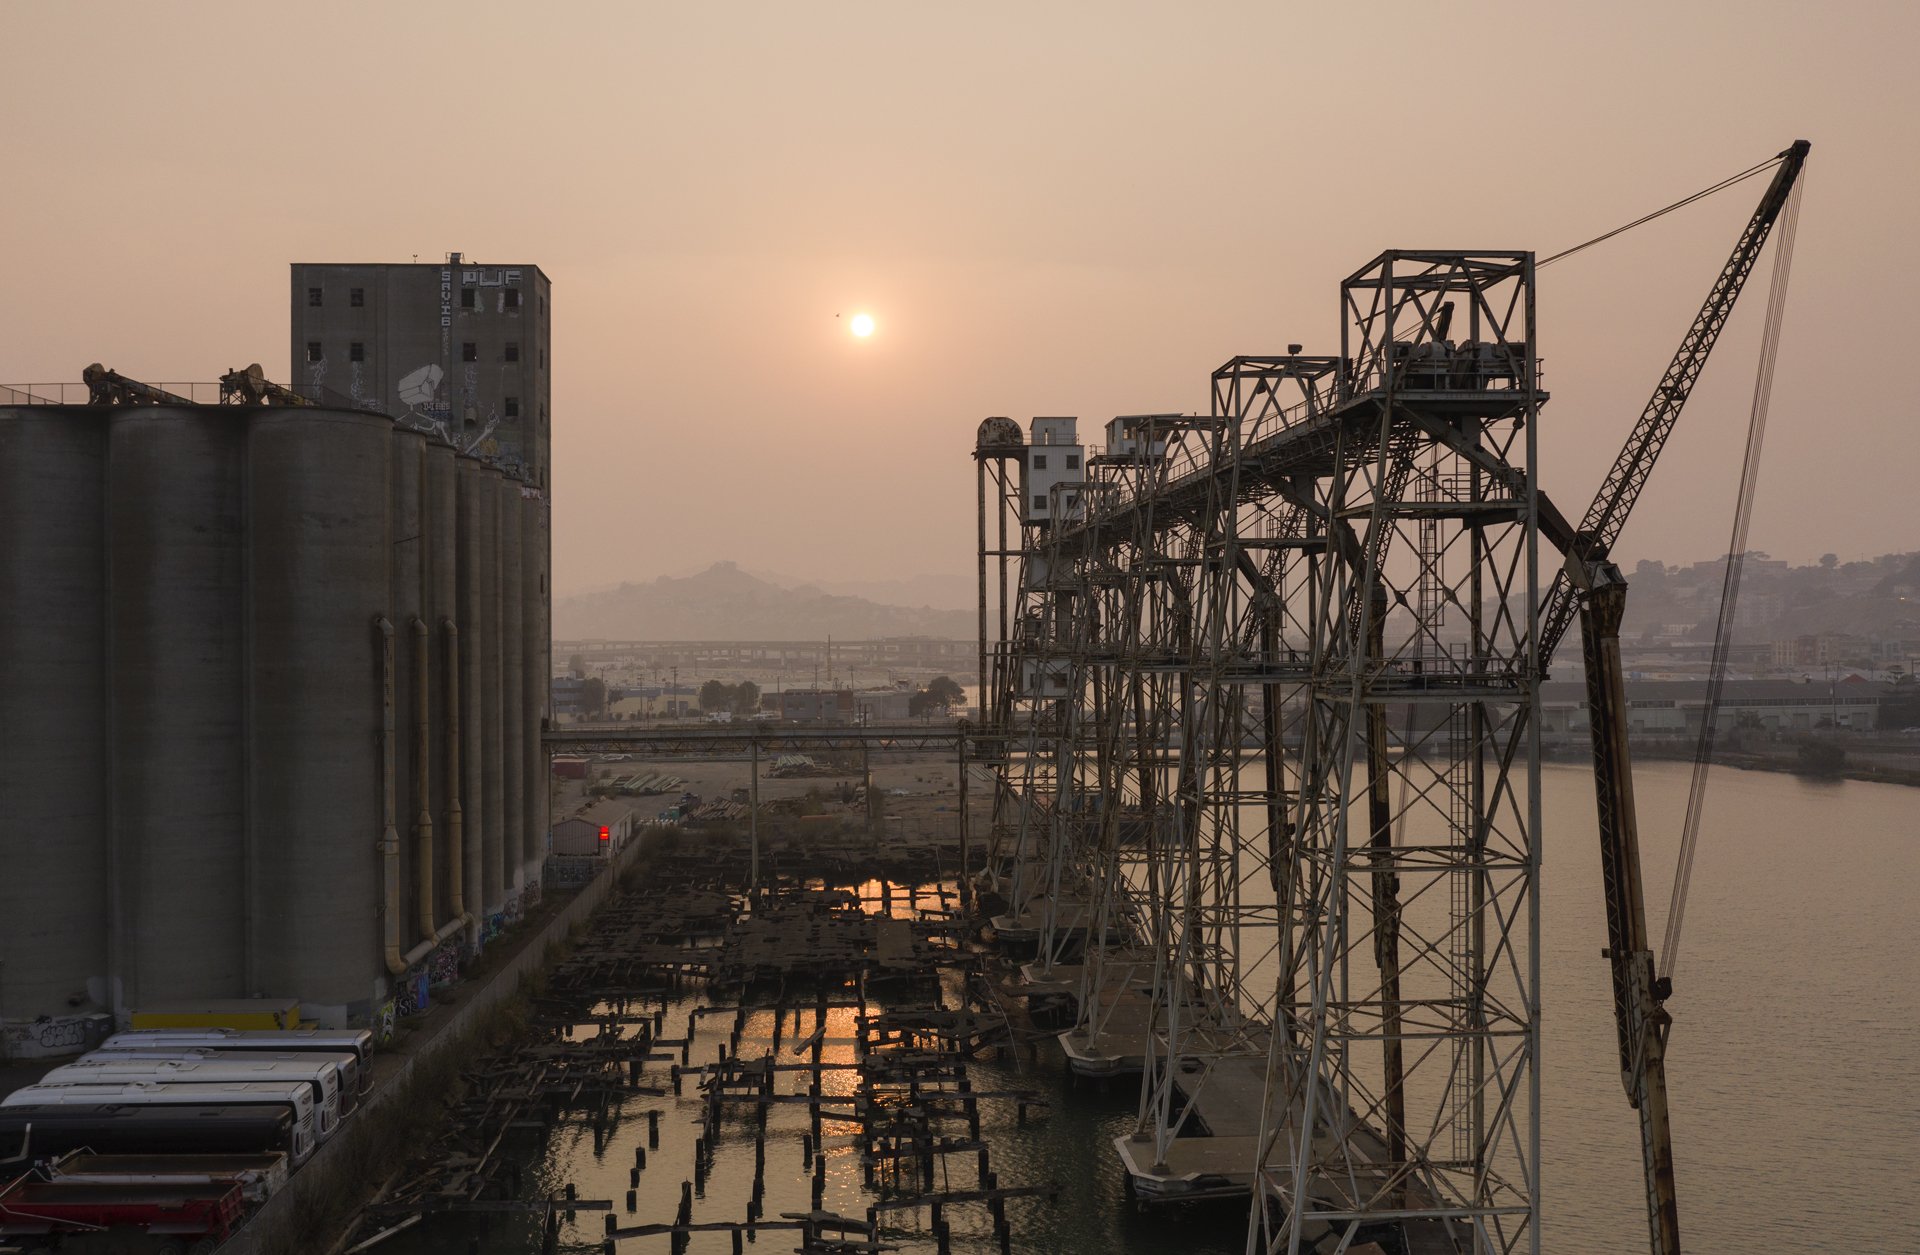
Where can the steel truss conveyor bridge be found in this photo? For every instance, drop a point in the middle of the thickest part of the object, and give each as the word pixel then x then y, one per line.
pixel 1266 693
pixel 1263 706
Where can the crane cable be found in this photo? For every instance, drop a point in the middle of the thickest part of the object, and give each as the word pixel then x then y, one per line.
pixel 1721 186
pixel 1730 588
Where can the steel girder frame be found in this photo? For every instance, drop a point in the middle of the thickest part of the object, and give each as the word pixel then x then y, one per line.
pixel 1052 705
pixel 1402 1092
pixel 1244 655
pixel 1145 625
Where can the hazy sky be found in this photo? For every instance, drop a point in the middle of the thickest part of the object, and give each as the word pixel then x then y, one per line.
pixel 1048 209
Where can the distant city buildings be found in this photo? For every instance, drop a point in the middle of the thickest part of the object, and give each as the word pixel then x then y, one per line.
pixel 455 348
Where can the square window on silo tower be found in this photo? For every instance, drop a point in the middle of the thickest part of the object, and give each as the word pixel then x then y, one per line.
pixel 1073 461
pixel 313 296
pixel 469 351
pixel 512 351
pixel 466 298
pixel 356 352
pixel 1039 461
pixel 513 298
pixel 356 297
pixel 513 407
pixel 313 351
pixel 1039 500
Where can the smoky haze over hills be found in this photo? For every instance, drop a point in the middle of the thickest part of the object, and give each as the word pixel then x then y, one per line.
pixel 726 603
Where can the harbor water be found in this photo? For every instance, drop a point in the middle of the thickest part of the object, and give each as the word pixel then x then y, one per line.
pixel 1794 1064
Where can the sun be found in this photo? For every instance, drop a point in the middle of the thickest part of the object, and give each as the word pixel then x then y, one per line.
pixel 862 325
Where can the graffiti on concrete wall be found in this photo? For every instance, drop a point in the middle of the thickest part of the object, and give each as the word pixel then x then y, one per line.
pixel 51 1035
pixel 425 408
pixel 443 965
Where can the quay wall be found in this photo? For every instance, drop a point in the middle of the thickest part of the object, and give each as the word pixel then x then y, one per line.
pixel 286 1224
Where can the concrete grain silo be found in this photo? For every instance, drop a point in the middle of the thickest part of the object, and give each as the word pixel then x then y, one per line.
pixel 538 678
pixel 513 731
pixel 471 496
pixel 53 712
pixel 494 873
pixel 267 676
pixel 176 616
pixel 406 574
pixel 320 624
pixel 442 601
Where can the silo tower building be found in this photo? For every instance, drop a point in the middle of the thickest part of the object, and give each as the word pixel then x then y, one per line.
pixel 456 349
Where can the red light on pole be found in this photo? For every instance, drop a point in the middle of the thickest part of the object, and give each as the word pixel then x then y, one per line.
pixel 603 832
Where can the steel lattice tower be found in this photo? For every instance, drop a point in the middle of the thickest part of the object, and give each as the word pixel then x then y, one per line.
pixel 1268 706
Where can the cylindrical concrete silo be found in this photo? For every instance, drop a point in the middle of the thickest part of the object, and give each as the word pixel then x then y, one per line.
pixel 441 534
pixel 407 580
pixel 494 873
pixel 319 493
pixel 513 721
pixel 176 567
pixel 538 679
pixel 53 704
pixel 472 492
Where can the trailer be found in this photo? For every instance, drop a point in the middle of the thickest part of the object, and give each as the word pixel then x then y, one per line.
pixel 201 1214
pixel 240 1013
pixel 259 1176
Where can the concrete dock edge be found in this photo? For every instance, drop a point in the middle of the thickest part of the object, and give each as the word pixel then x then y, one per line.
pixel 274 1228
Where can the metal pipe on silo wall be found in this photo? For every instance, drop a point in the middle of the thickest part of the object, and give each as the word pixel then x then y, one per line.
pixel 422 779
pixel 537 681
pixel 176 562
pixel 494 868
pixel 390 909
pixel 456 856
pixel 469 486
pixel 54 814
pixel 513 718
pixel 320 498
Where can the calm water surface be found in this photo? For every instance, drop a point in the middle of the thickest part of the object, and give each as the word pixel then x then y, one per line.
pixel 1794 1062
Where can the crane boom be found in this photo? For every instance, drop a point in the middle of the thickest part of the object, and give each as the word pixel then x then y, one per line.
pixel 1640 1018
pixel 1590 585
pixel 1594 539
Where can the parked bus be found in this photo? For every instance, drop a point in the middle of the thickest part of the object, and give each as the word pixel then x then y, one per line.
pixel 40 1130
pixel 293 1096
pixel 346 1067
pixel 356 1041
pixel 111 1069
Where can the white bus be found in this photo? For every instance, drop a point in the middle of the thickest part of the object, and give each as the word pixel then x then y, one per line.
pixel 356 1041
pixel 293 1096
pixel 110 1069
pixel 346 1067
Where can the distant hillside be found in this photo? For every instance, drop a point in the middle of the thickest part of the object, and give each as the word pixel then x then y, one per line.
pixel 725 603
pixel 1877 599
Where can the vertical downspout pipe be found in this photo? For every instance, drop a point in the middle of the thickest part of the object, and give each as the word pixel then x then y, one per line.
pixel 422 767
pixel 389 832
pixel 456 823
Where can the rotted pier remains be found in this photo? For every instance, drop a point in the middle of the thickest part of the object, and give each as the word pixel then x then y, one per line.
pixel 827 1018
